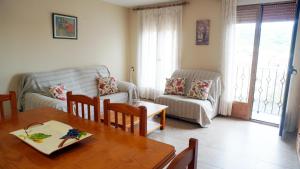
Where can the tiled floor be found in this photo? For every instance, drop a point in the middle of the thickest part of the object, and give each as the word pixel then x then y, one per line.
pixel 232 144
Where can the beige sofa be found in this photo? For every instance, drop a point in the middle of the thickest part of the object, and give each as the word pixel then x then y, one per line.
pixel 194 110
pixel 33 89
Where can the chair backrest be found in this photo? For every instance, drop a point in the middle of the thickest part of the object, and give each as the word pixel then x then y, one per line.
pixel 81 102
pixel 187 158
pixel 13 103
pixel 125 113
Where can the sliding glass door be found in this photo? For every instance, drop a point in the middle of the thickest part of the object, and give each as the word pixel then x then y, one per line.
pixel 272 66
pixel 264 34
pixel 245 33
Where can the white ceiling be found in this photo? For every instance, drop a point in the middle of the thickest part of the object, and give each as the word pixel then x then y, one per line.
pixel 134 3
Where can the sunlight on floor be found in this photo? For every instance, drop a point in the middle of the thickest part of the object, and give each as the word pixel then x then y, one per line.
pixel 275 119
pixel 233 144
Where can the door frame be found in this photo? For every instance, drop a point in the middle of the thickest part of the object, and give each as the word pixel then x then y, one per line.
pixel 244 110
pixel 290 72
pixel 255 59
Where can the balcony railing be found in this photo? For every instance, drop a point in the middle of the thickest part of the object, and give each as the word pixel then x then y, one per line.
pixel 269 88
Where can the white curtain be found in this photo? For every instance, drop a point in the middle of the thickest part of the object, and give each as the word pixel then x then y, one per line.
pixel 158 48
pixel 228 55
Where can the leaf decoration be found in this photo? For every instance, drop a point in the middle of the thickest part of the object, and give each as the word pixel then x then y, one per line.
pixel 82 133
pixel 38 137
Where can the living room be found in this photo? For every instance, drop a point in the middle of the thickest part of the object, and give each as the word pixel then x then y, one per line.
pixel 231 83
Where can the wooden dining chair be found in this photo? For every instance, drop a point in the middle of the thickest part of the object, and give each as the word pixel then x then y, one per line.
pixel 13 103
pixel 187 158
pixel 83 102
pixel 122 112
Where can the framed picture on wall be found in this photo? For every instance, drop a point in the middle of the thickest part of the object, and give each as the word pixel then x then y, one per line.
pixel 64 26
pixel 202 32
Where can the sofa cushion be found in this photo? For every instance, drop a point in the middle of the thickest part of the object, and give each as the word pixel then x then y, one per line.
pixel 58 92
pixel 121 97
pixel 175 86
pixel 200 89
pixel 107 85
pixel 79 80
pixel 87 79
pixel 191 74
pixel 35 100
pixel 199 111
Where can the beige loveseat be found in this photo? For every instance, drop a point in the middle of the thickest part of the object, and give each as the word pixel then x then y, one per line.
pixel 33 89
pixel 189 109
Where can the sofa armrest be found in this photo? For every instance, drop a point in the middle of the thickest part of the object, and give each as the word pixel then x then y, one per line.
pixel 124 86
pixel 35 100
pixel 130 88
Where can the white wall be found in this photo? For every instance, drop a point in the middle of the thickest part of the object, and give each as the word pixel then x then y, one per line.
pixel 202 56
pixel 26 43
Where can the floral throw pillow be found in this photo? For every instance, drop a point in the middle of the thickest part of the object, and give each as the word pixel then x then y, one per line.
pixel 200 89
pixel 58 92
pixel 175 86
pixel 107 85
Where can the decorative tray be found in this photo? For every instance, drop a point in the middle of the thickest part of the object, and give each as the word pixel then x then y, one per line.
pixel 50 136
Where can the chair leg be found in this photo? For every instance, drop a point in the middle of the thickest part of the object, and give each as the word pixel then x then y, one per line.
pixel 1 111
pixel 194 144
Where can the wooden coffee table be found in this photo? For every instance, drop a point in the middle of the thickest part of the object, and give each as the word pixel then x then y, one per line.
pixel 153 109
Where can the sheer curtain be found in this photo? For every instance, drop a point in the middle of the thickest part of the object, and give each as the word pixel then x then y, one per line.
pixel 158 48
pixel 229 8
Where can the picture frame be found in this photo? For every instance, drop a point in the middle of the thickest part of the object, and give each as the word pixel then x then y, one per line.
pixel 202 32
pixel 64 26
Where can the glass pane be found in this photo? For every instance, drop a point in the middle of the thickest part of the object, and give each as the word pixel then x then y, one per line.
pixel 271 70
pixel 245 33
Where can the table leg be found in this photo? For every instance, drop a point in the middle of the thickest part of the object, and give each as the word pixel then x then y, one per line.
pixel 162 119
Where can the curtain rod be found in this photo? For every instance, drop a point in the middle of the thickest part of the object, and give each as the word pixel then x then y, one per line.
pixel 161 6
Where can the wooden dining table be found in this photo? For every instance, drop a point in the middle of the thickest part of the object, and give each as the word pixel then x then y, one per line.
pixel 107 148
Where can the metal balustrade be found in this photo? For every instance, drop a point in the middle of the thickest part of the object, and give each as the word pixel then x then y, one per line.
pixel 269 88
